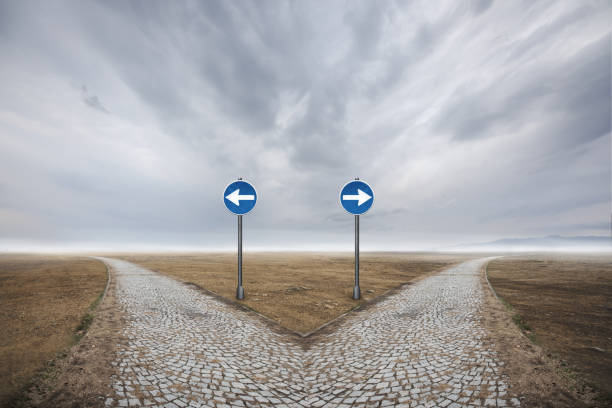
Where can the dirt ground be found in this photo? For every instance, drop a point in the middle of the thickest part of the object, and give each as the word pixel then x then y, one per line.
pixel 81 379
pixel 43 300
pixel 300 291
pixel 564 304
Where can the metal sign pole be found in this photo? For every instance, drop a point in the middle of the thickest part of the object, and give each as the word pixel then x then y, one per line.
pixel 356 289
pixel 240 289
pixel 356 197
pixel 239 197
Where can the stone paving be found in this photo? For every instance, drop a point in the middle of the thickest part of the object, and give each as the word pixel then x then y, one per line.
pixel 422 347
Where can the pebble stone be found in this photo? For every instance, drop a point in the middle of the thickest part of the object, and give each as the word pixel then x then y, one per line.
pixel 422 347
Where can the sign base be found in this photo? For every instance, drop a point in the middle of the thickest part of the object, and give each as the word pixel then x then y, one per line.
pixel 239 293
pixel 356 293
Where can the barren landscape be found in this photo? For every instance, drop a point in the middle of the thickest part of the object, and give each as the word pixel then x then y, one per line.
pixel 300 291
pixel 563 302
pixel 151 149
pixel 44 305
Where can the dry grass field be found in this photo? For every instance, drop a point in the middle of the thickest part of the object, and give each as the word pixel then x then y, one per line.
pixel 564 303
pixel 300 291
pixel 43 301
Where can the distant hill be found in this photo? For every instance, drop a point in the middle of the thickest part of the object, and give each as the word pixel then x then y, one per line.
pixel 548 243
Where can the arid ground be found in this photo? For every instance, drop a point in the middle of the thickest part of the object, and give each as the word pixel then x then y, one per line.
pixel 44 303
pixel 564 304
pixel 300 291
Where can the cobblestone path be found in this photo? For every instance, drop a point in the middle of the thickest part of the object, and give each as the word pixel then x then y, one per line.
pixel 422 347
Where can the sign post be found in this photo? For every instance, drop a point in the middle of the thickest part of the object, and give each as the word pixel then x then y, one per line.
pixel 240 198
pixel 356 197
pixel 356 289
pixel 239 288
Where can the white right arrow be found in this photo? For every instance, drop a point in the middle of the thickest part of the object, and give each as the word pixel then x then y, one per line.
pixel 361 197
pixel 235 197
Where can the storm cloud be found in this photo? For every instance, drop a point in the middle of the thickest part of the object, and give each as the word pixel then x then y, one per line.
pixel 121 122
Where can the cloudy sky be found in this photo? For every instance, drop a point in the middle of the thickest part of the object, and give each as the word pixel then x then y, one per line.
pixel 122 122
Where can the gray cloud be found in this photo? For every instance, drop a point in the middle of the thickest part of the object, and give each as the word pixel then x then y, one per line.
pixel 480 6
pixel 578 89
pixel 92 100
pixel 474 121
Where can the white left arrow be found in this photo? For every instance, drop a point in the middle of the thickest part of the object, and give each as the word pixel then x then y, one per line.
pixel 361 197
pixel 235 197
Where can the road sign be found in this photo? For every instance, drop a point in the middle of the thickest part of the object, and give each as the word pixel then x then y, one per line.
pixel 356 197
pixel 240 197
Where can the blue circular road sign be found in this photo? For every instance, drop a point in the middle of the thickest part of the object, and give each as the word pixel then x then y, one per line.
pixel 356 197
pixel 240 197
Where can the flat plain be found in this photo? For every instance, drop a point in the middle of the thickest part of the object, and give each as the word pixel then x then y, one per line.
pixel 43 300
pixel 300 291
pixel 564 303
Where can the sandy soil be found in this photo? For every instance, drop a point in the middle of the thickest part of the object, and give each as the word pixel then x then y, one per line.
pixel 300 291
pixel 43 300
pixel 561 302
